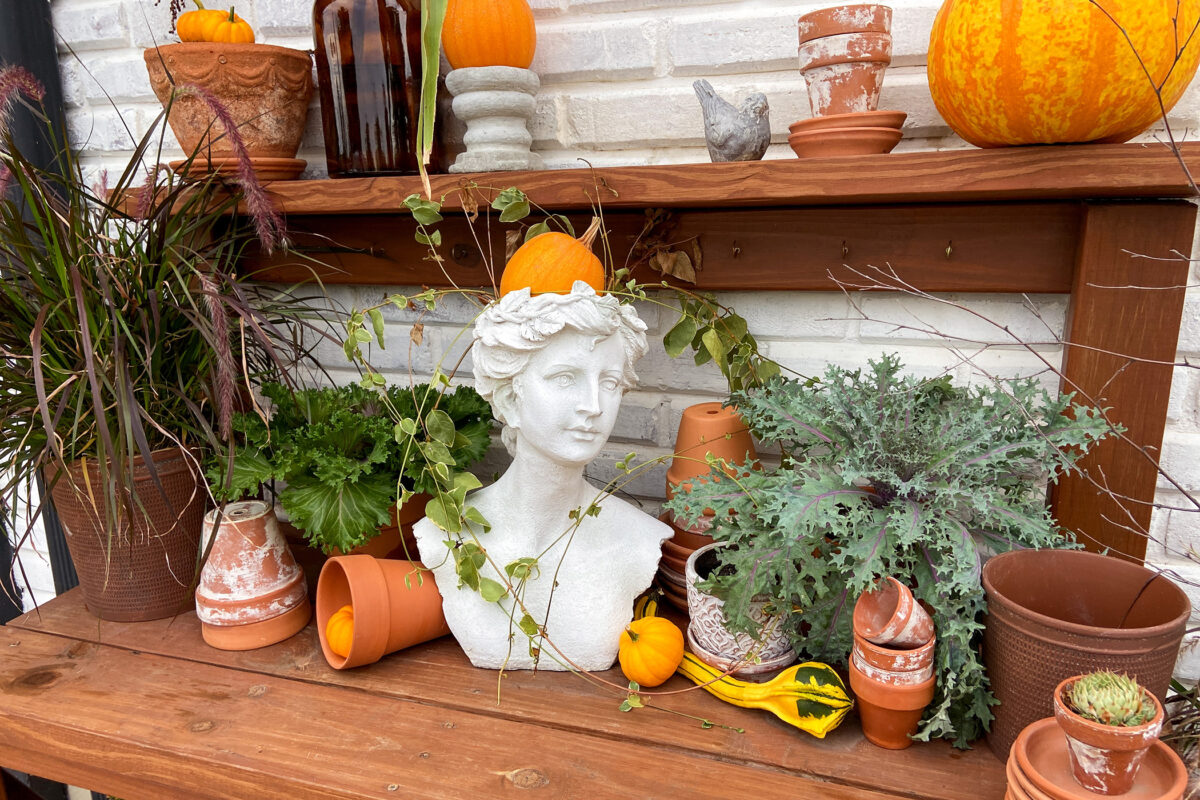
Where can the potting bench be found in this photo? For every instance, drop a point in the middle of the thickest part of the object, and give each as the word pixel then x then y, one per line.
pixel 147 711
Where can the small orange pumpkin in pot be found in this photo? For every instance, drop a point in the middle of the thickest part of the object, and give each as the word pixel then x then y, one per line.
pixel 552 262
pixel 489 33
pixel 190 25
pixel 339 630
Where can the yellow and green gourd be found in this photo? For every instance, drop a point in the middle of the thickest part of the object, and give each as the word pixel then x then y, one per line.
pixel 1010 72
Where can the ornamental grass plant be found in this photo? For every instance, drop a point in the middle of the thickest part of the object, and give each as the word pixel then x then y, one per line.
pixel 885 474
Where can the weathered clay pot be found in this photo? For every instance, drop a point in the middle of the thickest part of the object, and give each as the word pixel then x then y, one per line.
pixel 867 119
pixel 145 569
pixel 707 428
pixel 251 593
pixel 1071 612
pixel 717 645
pixel 845 73
pixel 396 605
pixel 264 88
pixel 890 714
pixel 889 616
pixel 1104 758
pixel 900 667
pixel 860 18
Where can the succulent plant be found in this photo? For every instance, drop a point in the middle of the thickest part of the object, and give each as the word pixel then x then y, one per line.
pixel 1111 699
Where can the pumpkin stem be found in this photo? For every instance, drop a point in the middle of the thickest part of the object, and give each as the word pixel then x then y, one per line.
pixel 589 235
pixel 633 636
pixel 232 16
pixel 199 5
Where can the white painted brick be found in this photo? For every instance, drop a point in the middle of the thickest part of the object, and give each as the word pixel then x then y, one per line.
pixel 648 482
pixel 122 78
pixel 811 358
pixel 150 24
pixel 1181 459
pixel 1158 547
pixel 91 26
pixel 72 78
pixel 659 371
pixel 1189 325
pixel 792 315
pixel 890 317
pixel 720 42
pixel 1182 530
pixel 613 6
pixel 1183 409
pixel 643 419
pixel 284 18
pixel 607 50
pixel 1184 573
pixel 104 129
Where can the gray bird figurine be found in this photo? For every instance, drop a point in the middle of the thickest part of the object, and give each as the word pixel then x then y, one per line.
pixel 734 134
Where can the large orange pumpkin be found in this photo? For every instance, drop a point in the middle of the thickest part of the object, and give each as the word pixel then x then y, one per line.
pixel 1006 72
pixel 489 33
pixel 552 262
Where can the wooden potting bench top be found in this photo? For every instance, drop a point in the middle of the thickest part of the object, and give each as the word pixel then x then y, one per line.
pixel 147 711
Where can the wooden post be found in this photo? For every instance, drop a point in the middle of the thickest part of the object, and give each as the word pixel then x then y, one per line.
pixel 1123 327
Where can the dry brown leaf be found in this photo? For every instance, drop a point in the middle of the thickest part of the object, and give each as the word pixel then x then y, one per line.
pixel 417 333
pixel 512 240
pixel 674 264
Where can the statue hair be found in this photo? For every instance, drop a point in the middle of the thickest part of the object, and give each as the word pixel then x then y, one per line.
pixel 509 332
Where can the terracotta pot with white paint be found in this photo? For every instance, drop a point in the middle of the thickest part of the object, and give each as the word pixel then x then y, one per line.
pixel 251 593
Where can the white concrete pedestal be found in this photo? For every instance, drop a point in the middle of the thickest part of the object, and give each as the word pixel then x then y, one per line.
pixel 496 104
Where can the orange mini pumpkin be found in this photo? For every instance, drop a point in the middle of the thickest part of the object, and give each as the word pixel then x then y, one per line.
pixel 650 650
pixel 190 25
pixel 489 33
pixel 339 631
pixel 552 262
pixel 230 28
pixel 1006 72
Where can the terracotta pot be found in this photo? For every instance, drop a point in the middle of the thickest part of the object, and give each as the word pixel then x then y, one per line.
pixel 145 569
pixel 716 644
pixel 1071 612
pixel 894 665
pixel 1041 768
pixel 889 616
pixel 845 73
pixel 862 18
pixel 396 605
pixel 890 714
pixel 1104 758
pixel 251 593
pixel 707 428
pixel 264 88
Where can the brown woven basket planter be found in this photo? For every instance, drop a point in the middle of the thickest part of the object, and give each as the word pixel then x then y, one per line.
pixel 147 570
pixel 1053 614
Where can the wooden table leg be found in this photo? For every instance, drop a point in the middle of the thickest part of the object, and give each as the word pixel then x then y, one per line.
pixel 1123 327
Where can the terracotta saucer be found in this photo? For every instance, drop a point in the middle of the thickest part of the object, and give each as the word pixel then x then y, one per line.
pixel 1020 785
pixel 844 141
pixel 267 169
pixel 1041 754
pixel 673 577
pixel 862 119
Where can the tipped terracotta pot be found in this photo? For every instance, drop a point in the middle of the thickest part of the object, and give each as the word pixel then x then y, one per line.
pixel 265 90
pixel 719 647
pixel 891 617
pixel 396 605
pixel 845 73
pixel 251 592
pixel 890 714
pixel 861 18
pixel 707 428
pixel 1104 758
pixel 1071 612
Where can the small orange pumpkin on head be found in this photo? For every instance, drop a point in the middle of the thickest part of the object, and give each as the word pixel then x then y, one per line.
pixel 552 262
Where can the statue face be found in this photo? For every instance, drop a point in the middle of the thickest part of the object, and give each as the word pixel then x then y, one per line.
pixel 568 397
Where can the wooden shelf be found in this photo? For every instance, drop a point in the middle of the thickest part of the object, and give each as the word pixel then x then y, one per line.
pixel 1025 173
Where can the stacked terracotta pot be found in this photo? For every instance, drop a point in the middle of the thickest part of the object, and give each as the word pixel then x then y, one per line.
pixel 844 52
pixel 891 665
pixel 705 429
pixel 1067 757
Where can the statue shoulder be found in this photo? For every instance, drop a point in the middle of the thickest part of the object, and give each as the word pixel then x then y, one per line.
pixel 628 517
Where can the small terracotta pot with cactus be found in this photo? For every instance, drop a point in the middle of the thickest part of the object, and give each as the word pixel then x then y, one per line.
pixel 1111 722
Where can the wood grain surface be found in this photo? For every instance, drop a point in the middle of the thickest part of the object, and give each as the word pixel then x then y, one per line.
pixel 1005 173
pixel 551 712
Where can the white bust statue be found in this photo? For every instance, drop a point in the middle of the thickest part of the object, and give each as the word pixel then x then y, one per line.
pixel 554 367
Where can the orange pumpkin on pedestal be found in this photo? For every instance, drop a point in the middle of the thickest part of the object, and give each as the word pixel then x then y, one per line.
pixel 489 33
pixel 1007 72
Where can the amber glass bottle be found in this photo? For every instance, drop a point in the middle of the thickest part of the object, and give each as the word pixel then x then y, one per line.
pixel 369 78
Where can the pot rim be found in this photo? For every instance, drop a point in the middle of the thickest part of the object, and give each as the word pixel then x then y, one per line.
pixel 992 594
pixel 231 48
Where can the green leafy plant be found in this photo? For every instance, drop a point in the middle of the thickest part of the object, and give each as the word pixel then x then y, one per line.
pixel 1110 699
pixel 347 454
pixel 126 328
pixel 884 474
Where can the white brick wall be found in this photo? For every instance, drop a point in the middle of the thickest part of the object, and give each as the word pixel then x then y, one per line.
pixel 617 78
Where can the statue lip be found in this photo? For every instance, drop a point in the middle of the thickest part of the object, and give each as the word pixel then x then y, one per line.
pixel 584 431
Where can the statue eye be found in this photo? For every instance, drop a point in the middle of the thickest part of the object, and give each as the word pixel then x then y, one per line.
pixel 610 384
pixel 563 379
